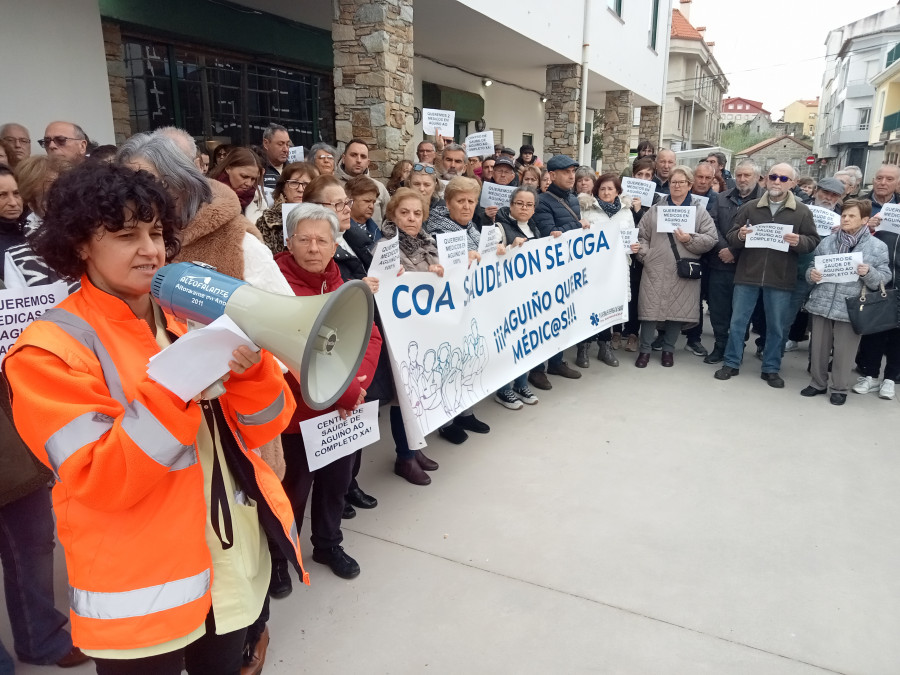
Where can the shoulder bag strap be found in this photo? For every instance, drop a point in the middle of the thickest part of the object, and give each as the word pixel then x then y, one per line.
pixel 674 248
pixel 563 202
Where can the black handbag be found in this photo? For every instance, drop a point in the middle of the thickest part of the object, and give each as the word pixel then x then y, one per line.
pixel 873 311
pixel 687 268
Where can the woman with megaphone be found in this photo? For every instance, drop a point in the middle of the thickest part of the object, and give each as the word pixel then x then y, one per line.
pixel 161 508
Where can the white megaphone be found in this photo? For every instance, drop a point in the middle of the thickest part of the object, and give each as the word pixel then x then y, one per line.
pixel 321 339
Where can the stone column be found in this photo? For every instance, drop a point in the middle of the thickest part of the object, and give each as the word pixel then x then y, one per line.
pixel 373 77
pixel 115 73
pixel 651 120
pixel 562 110
pixel 617 130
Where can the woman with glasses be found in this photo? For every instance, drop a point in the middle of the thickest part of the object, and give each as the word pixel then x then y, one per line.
pixel 324 157
pixel 289 189
pixel 399 176
pixel 665 297
pixel 424 179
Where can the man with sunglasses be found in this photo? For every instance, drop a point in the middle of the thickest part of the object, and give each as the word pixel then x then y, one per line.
pixel 64 140
pixel 768 271
pixel 355 162
pixel 18 137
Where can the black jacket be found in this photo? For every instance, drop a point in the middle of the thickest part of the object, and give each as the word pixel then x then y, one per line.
pixel 727 206
pixel 552 215
pixel 511 227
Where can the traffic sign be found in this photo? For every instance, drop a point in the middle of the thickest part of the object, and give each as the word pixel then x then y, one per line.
pixel 811 159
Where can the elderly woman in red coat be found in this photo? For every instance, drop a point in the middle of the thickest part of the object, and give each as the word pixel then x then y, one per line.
pixel 309 267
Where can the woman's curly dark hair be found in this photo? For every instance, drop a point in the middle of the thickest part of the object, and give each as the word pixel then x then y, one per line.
pixel 95 195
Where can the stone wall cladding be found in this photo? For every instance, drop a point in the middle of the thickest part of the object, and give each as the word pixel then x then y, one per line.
pixel 617 130
pixel 115 72
pixel 651 124
pixel 562 110
pixel 373 77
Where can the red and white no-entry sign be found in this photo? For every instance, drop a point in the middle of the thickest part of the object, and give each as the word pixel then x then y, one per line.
pixel 811 159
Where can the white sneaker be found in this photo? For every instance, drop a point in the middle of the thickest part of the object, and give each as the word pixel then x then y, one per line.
pixel 887 390
pixel 867 384
pixel 508 399
pixel 791 345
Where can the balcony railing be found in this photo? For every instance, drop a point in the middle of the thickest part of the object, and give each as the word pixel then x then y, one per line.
pixel 891 122
pixel 862 126
pixel 893 55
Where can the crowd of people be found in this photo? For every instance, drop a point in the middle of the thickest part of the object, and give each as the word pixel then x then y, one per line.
pixel 138 473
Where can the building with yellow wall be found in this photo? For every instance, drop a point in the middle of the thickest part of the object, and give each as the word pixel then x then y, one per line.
pixel 805 112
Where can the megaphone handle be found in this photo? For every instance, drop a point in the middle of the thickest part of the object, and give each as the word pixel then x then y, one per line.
pixel 215 390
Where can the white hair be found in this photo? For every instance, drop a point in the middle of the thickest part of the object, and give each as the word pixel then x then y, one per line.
pixel 183 140
pixel 311 212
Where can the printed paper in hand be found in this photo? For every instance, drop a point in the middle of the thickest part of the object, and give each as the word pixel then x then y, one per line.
pixel 489 240
pixel 480 144
pixel 699 201
pixel 825 220
pixel 769 235
pixel 672 217
pixel 629 236
pixel 642 189
pixel 295 154
pixel 386 257
pixel 328 438
pixel 439 119
pixel 20 306
pixel 839 267
pixel 890 218
pixel 453 250
pixel 496 195
pixel 198 358
pixel 285 210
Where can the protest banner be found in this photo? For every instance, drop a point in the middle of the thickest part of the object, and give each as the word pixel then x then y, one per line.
pixel 438 119
pixel 496 195
pixel 295 154
pixel 672 217
pixel 386 257
pixel 480 144
pixel 699 201
pixel 769 235
pixel 890 218
pixel 642 189
pixel 629 236
pixel 839 267
pixel 20 306
pixel 453 249
pixel 456 339
pixel 285 210
pixel 825 219
pixel 328 438
pixel 489 239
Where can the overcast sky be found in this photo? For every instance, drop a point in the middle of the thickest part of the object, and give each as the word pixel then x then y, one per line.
pixel 779 40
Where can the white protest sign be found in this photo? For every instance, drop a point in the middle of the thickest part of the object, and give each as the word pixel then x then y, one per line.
pixel 672 217
pixel 454 340
pixel 496 195
pixel 825 220
pixel 386 257
pixel 439 119
pixel 295 154
pixel 489 240
pixel 700 201
pixel 328 438
pixel 839 267
pixel 637 187
pixel 285 210
pixel 890 218
pixel 769 235
pixel 629 236
pixel 20 306
pixel 453 249
pixel 480 144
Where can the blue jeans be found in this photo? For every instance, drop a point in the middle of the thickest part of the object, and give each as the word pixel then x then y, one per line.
pixel 777 305
pixel 554 361
pixel 26 549
pixel 517 383
pixel 7 667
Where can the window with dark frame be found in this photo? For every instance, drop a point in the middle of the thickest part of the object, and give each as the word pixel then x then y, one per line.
pixel 654 23
pixel 615 6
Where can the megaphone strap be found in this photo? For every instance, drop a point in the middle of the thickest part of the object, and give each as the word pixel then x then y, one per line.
pixel 219 512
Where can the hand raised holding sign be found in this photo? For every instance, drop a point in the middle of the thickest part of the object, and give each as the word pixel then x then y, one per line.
pixel 436 269
pixel 862 270
pixel 681 235
pixel 792 239
pixel 744 231
pixel 815 275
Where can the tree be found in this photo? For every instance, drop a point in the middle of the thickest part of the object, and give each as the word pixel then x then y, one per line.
pixel 738 137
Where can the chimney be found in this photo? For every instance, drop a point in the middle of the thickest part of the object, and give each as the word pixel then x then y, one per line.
pixel 685 7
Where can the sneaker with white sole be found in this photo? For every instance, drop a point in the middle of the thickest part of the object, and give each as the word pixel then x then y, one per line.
pixel 525 395
pixel 865 385
pixel 508 399
pixel 887 390
pixel 791 346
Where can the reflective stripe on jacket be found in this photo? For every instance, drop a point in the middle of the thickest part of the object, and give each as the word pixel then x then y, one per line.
pixel 129 500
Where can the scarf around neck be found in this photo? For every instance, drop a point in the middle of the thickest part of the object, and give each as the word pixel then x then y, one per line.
pixel 244 196
pixel 847 241
pixel 610 209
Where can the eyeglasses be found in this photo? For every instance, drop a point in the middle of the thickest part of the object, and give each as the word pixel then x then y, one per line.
pixel 422 167
pixel 524 205
pixel 678 182
pixel 297 184
pixel 306 242
pixel 337 206
pixel 325 158
pixel 59 140
pixel 774 176
pixel 17 141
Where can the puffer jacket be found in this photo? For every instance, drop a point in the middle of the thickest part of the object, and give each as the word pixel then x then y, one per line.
pixel 828 299
pixel 551 215
pixel 598 219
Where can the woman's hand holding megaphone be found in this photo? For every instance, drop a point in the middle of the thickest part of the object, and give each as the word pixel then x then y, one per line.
pixel 244 359
pixel 359 400
pixel 372 283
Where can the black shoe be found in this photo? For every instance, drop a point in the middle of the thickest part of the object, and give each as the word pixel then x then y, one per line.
pixel 726 373
pixel 563 370
pixel 340 563
pixel 717 355
pixel 759 352
pixel 538 380
pixel 472 423
pixel 773 380
pixel 811 391
pixel 837 399
pixel 696 348
pixel 657 344
pixel 349 511
pixel 581 358
pixel 453 433
pixel 360 499
pixel 280 582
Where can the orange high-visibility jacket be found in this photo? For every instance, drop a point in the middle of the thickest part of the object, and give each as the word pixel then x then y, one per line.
pixel 129 500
